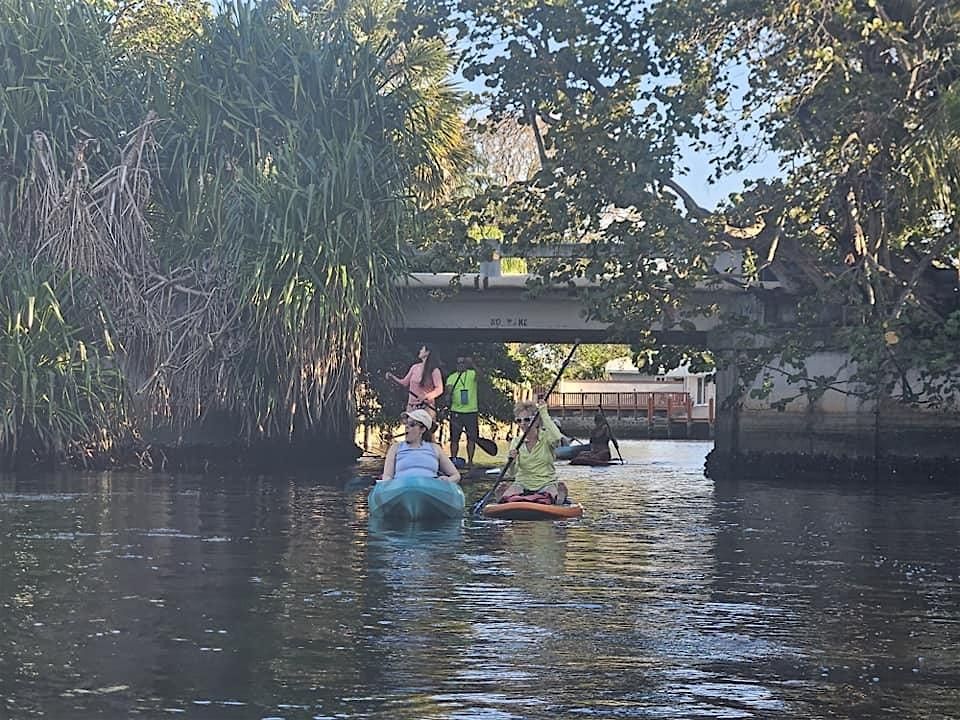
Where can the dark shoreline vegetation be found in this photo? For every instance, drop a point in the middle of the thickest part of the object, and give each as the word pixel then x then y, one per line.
pixel 203 212
pixel 203 219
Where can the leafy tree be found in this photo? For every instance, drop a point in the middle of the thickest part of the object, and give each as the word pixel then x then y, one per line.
pixel 576 74
pixel 863 101
pixel 156 28
pixel 539 364
pixel 860 99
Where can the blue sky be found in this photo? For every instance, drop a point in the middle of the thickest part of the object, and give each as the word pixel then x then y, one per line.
pixel 710 195
pixel 694 179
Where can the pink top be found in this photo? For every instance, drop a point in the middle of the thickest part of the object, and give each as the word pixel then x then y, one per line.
pixel 418 393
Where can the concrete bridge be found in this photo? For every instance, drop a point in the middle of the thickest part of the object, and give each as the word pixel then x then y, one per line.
pixel 499 308
pixel 838 430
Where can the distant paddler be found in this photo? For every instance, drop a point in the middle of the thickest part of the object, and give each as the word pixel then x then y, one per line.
pixel 600 439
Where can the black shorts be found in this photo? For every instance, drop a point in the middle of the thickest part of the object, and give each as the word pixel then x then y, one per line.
pixel 463 422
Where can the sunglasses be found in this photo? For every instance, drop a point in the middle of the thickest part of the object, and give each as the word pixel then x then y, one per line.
pixel 414 423
pixel 524 420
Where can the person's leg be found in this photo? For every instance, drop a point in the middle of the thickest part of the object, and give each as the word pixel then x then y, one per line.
pixel 456 427
pixel 472 428
pixel 561 496
pixel 557 490
pixel 505 489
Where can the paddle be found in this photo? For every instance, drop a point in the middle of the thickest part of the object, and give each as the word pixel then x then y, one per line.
pixel 478 506
pixel 488 446
pixel 616 445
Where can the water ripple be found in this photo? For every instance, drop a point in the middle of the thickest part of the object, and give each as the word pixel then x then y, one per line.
pixel 673 597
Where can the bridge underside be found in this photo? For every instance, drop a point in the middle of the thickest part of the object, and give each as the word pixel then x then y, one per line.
pixel 509 314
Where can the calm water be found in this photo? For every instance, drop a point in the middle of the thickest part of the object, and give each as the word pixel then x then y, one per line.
pixel 178 596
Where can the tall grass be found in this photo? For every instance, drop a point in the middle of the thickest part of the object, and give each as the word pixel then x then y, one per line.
pixel 58 395
pixel 235 207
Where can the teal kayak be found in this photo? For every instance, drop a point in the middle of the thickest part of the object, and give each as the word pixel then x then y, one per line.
pixel 418 498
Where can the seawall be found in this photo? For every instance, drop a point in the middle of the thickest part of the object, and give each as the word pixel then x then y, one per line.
pixel 839 432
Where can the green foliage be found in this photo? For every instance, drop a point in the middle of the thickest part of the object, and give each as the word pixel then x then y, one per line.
pixel 590 361
pixel 58 77
pixel 58 394
pixel 156 28
pixel 301 183
pixel 859 99
pixel 233 193
pixel 656 358
pixel 539 363
pixel 576 75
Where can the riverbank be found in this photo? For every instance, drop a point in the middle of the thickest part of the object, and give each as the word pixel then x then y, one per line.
pixel 779 431
pixel 191 455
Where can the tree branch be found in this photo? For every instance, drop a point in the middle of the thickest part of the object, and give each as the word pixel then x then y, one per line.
pixel 688 202
pixel 541 148
pixel 922 265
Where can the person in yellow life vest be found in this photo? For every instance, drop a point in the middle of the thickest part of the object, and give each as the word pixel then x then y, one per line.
pixel 464 408
pixel 532 469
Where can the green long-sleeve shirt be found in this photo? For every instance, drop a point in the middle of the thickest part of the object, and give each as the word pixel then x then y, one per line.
pixel 534 468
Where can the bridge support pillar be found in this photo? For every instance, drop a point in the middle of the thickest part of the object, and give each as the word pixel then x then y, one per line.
pixel 840 434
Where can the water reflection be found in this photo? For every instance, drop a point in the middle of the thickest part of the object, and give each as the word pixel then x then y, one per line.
pixel 673 597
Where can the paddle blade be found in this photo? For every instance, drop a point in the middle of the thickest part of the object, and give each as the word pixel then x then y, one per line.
pixel 488 446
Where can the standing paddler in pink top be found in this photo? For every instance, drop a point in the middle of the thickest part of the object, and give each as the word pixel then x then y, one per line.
pixel 423 381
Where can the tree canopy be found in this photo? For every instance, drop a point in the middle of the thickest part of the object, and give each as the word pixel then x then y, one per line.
pixel 859 99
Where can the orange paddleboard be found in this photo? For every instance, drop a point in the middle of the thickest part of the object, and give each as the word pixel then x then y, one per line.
pixel 532 511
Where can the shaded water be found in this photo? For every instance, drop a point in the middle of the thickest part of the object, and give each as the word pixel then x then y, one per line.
pixel 167 596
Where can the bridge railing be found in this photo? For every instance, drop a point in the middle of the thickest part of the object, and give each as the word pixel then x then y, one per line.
pixel 669 406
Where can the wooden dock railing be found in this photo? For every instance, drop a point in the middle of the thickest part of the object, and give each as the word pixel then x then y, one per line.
pixel 669 406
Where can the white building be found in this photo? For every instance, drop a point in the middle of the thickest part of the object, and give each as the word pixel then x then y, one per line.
pixel 622 376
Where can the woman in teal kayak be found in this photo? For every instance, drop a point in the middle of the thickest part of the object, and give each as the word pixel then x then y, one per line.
pixel 417 455
pixel 532 470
